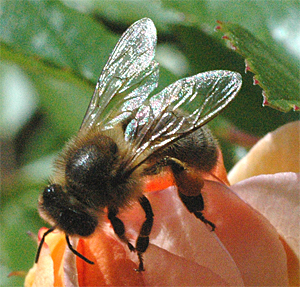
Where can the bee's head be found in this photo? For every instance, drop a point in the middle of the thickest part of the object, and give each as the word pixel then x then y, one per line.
pixel 64 211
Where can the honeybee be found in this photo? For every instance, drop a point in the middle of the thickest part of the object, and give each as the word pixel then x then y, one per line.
pixel 127 134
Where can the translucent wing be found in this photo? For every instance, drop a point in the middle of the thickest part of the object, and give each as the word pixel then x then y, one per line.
pixel 178 110
pixel 127 79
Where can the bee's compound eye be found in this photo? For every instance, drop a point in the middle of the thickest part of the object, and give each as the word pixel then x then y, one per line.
pixel 52 191
pixel 48 189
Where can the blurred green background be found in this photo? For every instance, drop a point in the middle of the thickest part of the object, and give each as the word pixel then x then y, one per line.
pixel 52 53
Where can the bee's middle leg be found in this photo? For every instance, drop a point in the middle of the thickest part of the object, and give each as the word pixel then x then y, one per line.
pixel 142 241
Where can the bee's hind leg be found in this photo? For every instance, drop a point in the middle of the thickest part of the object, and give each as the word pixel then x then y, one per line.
pixel 175 164
pixel 195 205
pixel 189 184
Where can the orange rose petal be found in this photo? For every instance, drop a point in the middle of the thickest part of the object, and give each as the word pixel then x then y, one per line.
pixel 57 244
pixel 112 266
pixel 167 269
pixel 184 242
pixel 250 239
pixel 41 274
pixel 30 277
pixel 69 270
pixel 276 196
pixel 276 152
pixel 48 271
pixel 181 246
pixel 293 264
pixel 160 181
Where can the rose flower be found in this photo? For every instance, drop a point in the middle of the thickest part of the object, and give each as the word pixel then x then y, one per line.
pixel 255 243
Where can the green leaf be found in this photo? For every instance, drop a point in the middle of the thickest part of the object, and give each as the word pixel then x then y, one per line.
pixel 135 10
pixel 273 73
pixel 63 95
pixel 56 34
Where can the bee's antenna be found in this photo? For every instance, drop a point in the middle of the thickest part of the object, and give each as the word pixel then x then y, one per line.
pixel 77 253
pixel 41 243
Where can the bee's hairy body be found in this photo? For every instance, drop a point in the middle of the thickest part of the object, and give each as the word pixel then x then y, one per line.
pixel 89 177
pixel 127 134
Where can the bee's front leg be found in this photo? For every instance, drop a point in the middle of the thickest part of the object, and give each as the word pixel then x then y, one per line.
pixel 119 227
